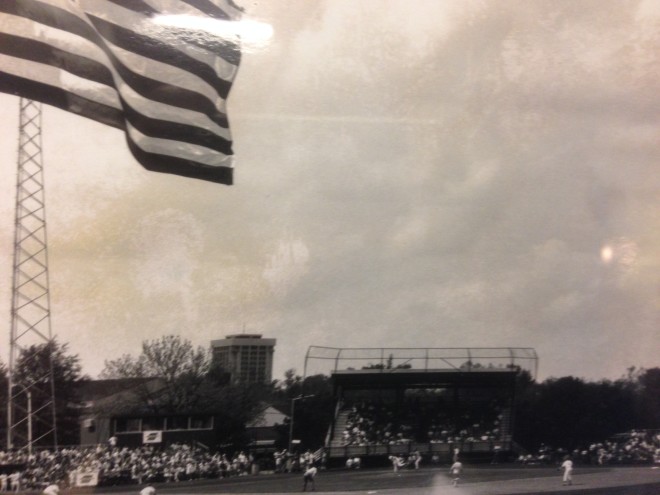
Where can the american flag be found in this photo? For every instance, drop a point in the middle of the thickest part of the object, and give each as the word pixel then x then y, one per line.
pixel 160 70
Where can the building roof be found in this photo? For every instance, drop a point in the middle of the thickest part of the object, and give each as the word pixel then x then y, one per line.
pixel 92 390
pixel 268 418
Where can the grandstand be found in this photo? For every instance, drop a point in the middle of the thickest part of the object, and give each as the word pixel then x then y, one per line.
pixel 434 402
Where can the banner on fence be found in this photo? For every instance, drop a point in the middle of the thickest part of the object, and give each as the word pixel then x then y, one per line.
pixel 87 478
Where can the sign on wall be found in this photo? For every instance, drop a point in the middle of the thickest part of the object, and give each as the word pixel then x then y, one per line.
pixel 153 436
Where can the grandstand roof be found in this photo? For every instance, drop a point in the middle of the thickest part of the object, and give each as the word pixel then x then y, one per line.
pixel 448 359
pixel 415 378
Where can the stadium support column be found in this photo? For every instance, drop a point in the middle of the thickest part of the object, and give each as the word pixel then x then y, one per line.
pixel 31 389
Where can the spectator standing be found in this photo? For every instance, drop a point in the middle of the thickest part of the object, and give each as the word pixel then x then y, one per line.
pixel 15 480
pixel 288 467
pixel 279 456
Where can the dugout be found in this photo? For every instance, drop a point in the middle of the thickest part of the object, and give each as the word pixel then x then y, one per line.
pixel 426 401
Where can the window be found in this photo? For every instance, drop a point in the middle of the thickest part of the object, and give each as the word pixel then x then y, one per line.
pixel 125 425
pixel 177 423
pixel 152 424
pixel 201 422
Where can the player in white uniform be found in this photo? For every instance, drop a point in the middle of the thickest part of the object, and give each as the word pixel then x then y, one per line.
pixel 308 477
pixel 455 470
pixel 567 467
pixel 51 489
pixel 148 490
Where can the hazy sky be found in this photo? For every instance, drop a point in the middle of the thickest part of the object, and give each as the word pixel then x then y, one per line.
pixel 408 174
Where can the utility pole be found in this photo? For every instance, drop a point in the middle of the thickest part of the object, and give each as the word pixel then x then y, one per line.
pixel 30 421
pixel 293 411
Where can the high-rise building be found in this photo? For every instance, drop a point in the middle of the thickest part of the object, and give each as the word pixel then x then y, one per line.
pixel 248 358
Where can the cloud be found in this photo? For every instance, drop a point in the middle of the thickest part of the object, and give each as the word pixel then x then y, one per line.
pixel 286 266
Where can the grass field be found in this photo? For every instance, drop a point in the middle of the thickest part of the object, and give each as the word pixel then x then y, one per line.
pixel 477 480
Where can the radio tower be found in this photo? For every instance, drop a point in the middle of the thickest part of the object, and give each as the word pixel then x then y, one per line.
pixel 31 389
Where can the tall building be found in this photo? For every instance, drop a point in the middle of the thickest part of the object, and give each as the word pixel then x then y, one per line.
pixel 248 358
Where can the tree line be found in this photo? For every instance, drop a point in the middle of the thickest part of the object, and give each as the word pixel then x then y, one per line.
pixel 571 412
pixel 174 377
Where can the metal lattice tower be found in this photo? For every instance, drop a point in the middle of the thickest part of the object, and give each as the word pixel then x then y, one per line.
pixel 31 390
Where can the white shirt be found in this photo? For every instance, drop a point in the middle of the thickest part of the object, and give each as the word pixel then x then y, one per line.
pixel 311 472
pixel 51 490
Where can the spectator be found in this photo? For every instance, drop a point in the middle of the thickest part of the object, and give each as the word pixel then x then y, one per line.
pixel 15 480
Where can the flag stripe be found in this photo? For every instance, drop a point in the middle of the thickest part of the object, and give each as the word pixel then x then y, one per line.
pixel 162 92
pixel 176 130
pixel 152 119
pixel 137 5
pixel 148 117
pixel 60 98
pixel 85 67
pixel 201 134
pixel 153 161
pixel 177 10
pixel 147 87
pixel 103 60
pixel 187 168
pixel 162 38
pixel 183 150
pixel 163 73
pixel 45 53
pixel 125 37
pixel 64 41
pixel 208 8
pixel 85 91
pixel 51 76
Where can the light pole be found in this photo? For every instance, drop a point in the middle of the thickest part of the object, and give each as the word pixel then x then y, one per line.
pixel 293 410
pixel 28 418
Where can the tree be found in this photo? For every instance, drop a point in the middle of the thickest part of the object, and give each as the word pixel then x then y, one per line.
pixel 289 387
pixel 177 378
pixel 314 414
pixel 389 365
pixel 569 412
pixel 178 371
pixel 317 412
pixel 32 370
pixel 648 399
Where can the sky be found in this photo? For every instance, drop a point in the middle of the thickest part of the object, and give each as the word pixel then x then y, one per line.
pixel 456 173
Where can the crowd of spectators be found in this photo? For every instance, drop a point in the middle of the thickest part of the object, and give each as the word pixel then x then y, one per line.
pixel 114 465
pixel 634 447
pixel 367 424
pixel 285 461
pixel 371 424
pixel 120 465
